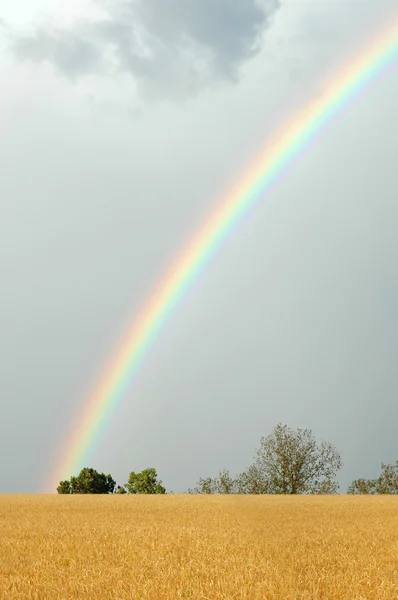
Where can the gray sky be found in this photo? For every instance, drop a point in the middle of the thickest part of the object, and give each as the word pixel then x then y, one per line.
pixel 122 123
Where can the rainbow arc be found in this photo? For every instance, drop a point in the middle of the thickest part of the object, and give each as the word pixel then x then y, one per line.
pixel 267 167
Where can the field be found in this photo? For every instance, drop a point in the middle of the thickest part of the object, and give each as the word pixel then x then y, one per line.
pixel 214 547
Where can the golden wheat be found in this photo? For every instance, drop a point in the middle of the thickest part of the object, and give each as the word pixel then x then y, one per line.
pixel 201 547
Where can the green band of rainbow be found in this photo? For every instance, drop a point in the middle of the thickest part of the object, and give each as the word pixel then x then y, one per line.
pixel 266 168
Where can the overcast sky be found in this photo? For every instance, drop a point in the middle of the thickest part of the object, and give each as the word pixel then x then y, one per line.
pixel 122 124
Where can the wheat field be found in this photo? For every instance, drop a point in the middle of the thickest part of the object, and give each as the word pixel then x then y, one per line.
pixel 205 547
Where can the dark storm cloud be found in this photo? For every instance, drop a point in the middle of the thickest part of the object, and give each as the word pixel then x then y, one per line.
pixel 172 45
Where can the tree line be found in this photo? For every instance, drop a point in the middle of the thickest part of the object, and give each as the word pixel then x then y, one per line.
pixel 288 461
pixel 89 481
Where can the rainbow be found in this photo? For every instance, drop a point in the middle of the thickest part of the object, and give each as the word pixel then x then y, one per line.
pixel 266 168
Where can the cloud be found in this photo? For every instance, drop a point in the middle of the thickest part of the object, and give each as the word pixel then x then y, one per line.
pixel 70 52
pixel 171 47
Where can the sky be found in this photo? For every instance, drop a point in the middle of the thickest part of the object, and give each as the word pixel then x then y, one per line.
pixel 122 125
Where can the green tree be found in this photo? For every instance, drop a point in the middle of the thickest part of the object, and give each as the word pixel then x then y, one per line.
pixel 291 462
pixel 144 483
pixel 386 483
pixel 203 486
pixel 287 462
pixel 89 481
pixel 252 481
pixel 64 487
pixel 363 486
pixel 248 482
pixel 225 483
pixel 222 484
pixel 121 490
